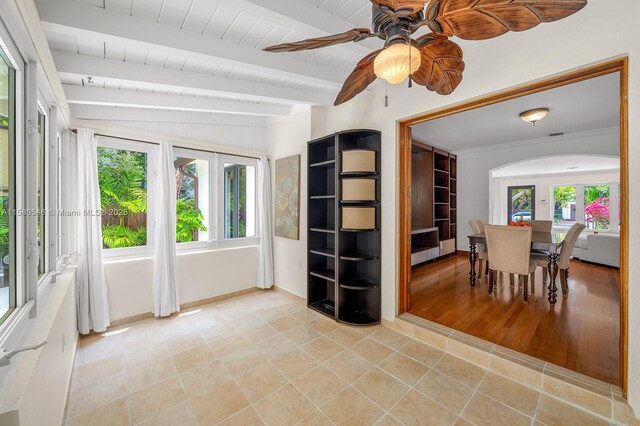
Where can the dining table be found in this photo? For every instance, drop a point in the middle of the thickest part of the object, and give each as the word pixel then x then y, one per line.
pixel 547 242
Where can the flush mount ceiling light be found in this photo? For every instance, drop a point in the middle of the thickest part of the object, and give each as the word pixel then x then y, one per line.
pixel 534 115
pixel 441 66
pixel 395 63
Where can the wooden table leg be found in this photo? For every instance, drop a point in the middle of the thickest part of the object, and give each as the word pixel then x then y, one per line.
pixel 473 255
pixel 553 269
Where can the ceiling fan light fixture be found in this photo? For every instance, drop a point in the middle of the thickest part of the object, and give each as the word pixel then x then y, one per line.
pixel 534 115
pixel 395 63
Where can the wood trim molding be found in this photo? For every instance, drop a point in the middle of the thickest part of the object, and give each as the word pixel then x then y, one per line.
pixel 620 65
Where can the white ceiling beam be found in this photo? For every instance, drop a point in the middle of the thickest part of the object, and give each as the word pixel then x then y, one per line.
pixel 305 18
pixel 91 95
pixel 72 64
pixel 107 113
pixel 81 20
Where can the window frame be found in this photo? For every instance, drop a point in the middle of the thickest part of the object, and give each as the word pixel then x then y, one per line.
pixel 11 323
pixel 614 219
pixel 211 222
pixel 43 210
pixel 245 161
pixel 151 150
pixel 215 225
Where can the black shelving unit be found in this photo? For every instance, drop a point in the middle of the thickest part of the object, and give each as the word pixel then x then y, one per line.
pixel 344 249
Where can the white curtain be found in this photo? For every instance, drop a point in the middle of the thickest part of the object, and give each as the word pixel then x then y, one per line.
pixel 265 263
pixel 91 288
pixel 497 202
pixel 165 289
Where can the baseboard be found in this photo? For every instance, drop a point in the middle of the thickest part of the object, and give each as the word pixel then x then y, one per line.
pixel 183 307
pixel 288 293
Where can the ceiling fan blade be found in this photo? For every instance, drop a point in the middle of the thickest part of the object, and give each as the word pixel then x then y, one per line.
pixel 396 5
pixel 357 34
pixel 361 77
pixel 484 19
pixel 442 64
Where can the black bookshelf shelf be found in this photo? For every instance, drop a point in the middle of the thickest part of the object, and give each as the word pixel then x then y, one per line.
pixel 358 285
pixel 354 175
pixel 327 163
pixel 359 257
pixel 323 230
pixel 327 252
pixel 327 274
pixel 322 197
pixel 335 251
pixel 326 306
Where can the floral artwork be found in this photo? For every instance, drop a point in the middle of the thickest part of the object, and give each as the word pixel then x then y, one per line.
pixel 287 202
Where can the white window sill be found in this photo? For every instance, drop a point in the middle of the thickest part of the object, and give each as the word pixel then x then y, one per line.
pixel 183 249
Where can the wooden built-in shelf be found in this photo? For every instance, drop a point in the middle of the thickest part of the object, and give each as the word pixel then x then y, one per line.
pixel 433 201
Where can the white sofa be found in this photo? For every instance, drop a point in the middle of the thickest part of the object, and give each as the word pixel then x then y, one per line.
pixel 603 249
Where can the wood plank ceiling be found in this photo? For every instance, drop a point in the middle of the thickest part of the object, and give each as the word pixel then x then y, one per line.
pixel 203 56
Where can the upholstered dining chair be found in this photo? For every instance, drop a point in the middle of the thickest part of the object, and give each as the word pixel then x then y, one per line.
pixel 565 257
pixel 477 227
pixel 541 225
pixel 509 249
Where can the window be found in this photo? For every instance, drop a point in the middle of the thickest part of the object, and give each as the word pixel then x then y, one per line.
pixel 215 196
pixel 192 199
pixel 122 176
pixel 41 177
pixel 565 206
pixel 239 200
pixel 7 189
pixel 522 203
pixel 597 207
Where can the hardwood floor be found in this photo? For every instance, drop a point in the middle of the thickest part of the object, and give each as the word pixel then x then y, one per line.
pixel 581 334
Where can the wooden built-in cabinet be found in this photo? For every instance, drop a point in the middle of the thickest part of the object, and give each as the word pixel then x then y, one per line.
pixel 344 227
pixel 433 203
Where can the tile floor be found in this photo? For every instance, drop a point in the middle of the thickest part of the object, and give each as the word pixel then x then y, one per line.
pixel 265 359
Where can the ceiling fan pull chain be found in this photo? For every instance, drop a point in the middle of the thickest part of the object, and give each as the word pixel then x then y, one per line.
pixel 410 73
pixel 386 94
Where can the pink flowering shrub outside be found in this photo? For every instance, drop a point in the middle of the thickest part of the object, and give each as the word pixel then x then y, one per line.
pixel 597 213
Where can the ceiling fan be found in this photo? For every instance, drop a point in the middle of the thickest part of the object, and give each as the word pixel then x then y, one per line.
pixel 432 60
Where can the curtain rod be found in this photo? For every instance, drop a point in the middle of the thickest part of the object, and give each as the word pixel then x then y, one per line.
pixel 175 146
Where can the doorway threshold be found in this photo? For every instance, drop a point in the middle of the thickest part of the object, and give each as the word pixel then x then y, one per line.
pixel 574 389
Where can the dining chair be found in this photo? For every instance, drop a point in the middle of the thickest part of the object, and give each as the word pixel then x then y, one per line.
pixel 565 257
pixel 477 227
pixel 509 249
pixel 541 225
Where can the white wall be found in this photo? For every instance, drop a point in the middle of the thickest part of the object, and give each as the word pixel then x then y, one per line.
pixel 35 391
pixel 251 137
pixel 544 188
pixel 493 65
pixel 201 275
pixel 286 138
pixel 475 166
